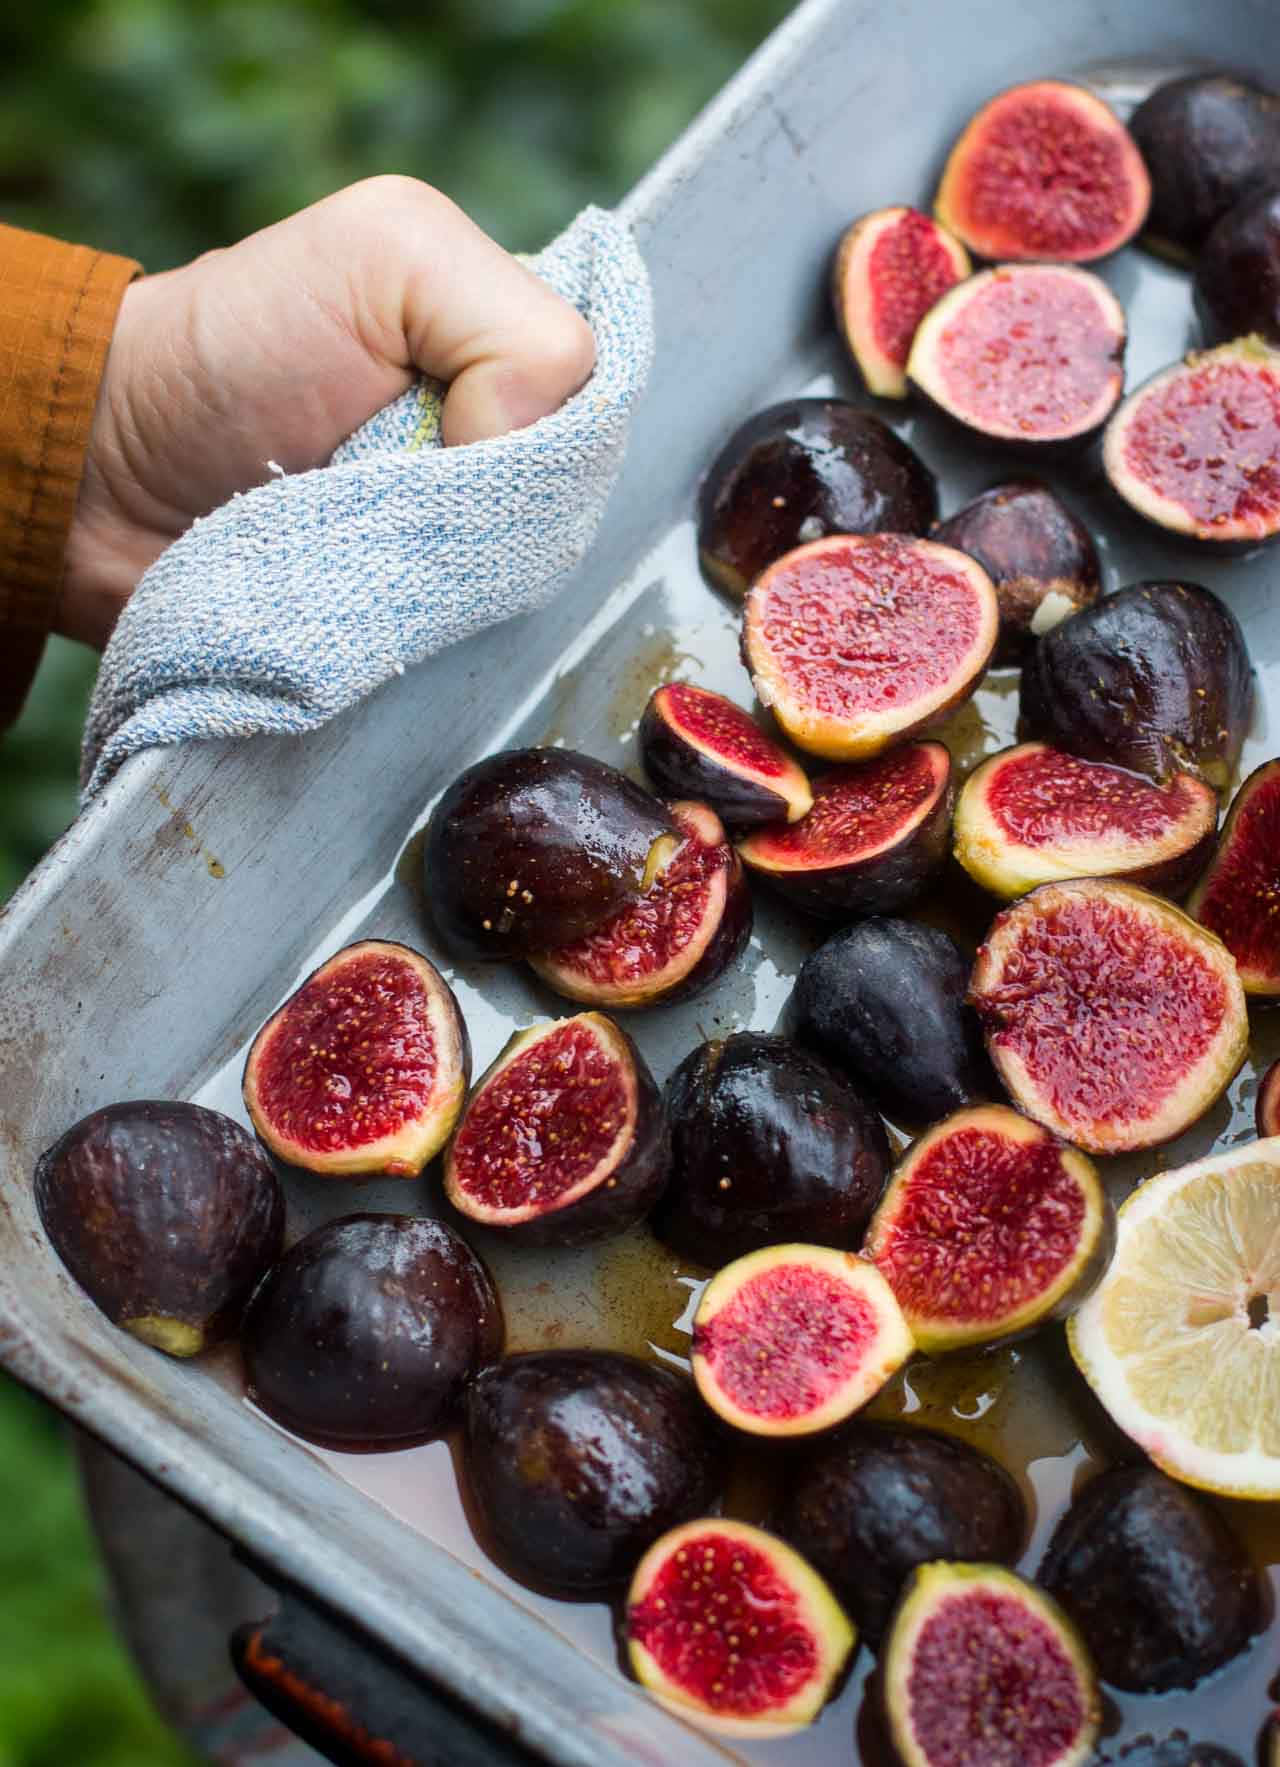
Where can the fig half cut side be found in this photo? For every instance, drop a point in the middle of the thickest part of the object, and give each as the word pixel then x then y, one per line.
pixel 982 1669
pixel 1033 815
pixel 726 1624
pixel 891 266
pixel 1026 354
pixel 1196 449
pixel 1238 898
pixel 990 1227
pixel 676 939
pixel 874 840
pixel 698 744
pixel 1113 1018
pixel 564 1138
pixel 793 1339
pixel 1267 1105
pixel 1044 171
pixel 364 1068
pixel 857 642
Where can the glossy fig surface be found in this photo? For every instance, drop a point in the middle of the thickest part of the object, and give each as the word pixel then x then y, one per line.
pixel 890 268
pixel 1267 1107
pixel 1207 140
pixel 698 744
pixel 167 1215
pixel 579 1459
pixel 770 1143
pixel 1237 896
pixel 1236 286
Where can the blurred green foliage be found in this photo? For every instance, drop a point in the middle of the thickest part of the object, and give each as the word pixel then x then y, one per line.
pixel 159 128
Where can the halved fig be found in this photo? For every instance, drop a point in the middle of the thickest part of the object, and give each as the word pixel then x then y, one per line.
pixel 1236 287
pixel 798 471
pixel 891 266
pixel 1041 559
pixel 167 1215
pixel 364 1068
pixel 982 1669
pixel 1196 449
pixel 698 744
pixel 1032 815
pixel 990 1227
pixel 1031 354
pixel 564 1138
pixel 726 1624
pixel 1111 1016
pixel 1238 898
pixel 668 944
pixel 533 848
pixel 874 840
pixel 792 1339
pixel 856 642
pixel 1045 170
pixel 1155 678
pixel 1207 140
pixel 1267 1105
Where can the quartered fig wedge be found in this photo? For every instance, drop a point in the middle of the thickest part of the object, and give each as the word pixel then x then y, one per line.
pixel 532 848
pixel 1196 449
pixel 891 266
pixel 727 1625
pixel 166 1214
pixel 798 471
pixel 564 1138
pixel 1028 354
pixel 855 643
pixel 1238 898
pixel 982 1669
pixel 676 939
pixel 1039 556
pixel 1111 1016
pixel 1267 1105
pixel 1032 815
pixel 873 841
pixel 698 744
pixel 793 1339
pixel 989 1228
pixel 364 1068
pixel 1045 170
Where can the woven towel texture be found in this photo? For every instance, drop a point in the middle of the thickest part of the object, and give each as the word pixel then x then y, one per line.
pixel 297 598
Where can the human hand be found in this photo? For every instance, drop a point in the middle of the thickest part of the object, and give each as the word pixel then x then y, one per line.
pixel 277 348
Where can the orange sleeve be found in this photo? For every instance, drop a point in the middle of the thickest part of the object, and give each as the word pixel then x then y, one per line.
pixel 58 306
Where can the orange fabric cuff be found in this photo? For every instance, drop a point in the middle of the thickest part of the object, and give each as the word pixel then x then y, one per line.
pixel 58 307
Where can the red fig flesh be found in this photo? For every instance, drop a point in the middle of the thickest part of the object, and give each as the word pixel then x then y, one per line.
pixel 1044 170
pixel 856 642
pixel 728 1625
pixel 1031 354
pixel 1033 814
pixel 698 744
pixel 1196 450
pixel 873 841
pixel 564 1139
pixel 1267 1109
pixel 1112 1018
pixel 1239 896
pixel 890 268
pixel 795 1338
pixel 364 1068
pixel 988 1228
pixel 670 943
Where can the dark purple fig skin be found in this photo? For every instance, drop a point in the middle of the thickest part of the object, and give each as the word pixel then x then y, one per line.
pixel 876 1502
pixel 1158 1584
pixel 1207 139
pixel 885 999
pixel 1030 544
pixel 1175 1750
pixel 1155 678
pixel 800 470
pixel 163 1211
pixel 573 834
pixel 577 1460
pixel 681 771
pixel 770 1144
pixel 367 1331
pixel 1236 286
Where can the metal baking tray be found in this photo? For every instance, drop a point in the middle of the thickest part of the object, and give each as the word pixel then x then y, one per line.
pixel 205 881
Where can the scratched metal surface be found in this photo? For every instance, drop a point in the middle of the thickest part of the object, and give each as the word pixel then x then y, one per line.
pixel 169 921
